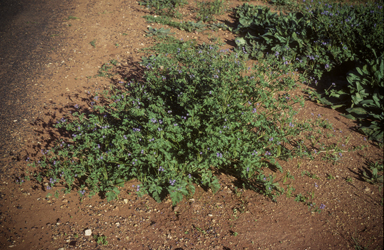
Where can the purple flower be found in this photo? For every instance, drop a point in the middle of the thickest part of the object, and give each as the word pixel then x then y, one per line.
pixel 161 169
pixel 322 206
pixel 316 185
pixel 172 182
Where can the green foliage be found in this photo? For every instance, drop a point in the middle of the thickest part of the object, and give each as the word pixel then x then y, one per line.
pixel 280 2
pixel 208 9
pixel 93 43
pixel 104 71
pixel 373 176
pixel 102 239
pixel 165 7
pixel 309 174
pixel 318 37
pixel 194 114
pixel 158 32
pixel 364 96
pixel 189 26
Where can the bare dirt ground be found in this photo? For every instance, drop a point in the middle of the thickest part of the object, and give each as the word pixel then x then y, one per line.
pixel 48 64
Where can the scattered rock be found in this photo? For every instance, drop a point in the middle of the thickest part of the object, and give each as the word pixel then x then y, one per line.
pixel 126 201
pixel 88 232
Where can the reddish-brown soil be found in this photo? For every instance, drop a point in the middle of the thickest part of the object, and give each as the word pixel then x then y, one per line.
pixel 46 60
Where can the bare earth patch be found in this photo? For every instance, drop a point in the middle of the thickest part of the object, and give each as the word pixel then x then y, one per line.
pixel 233 218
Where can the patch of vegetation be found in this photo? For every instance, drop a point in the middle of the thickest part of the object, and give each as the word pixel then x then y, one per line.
pixel 193 114
pixel 207 10
pixel 319 37
pixel 93 43
pixel 158 32
pixel 167 8
pixel 374 176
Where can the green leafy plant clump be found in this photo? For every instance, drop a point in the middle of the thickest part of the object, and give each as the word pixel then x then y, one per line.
pixel 164 7
pixel 318 37
pixel 193 115
pixel 208 9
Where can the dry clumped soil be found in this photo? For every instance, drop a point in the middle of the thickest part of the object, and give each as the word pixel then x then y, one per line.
pixel 46 62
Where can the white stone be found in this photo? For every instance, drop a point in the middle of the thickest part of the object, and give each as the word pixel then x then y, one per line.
pixel 88 232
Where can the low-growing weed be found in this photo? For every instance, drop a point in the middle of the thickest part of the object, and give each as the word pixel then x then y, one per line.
pixel 309 174
pixel 330 177
pixel 165 7
pixel 348 179
pixel 193 113
pixel 101 239
pixel 158 32
pixel 289 191
pixel 93 43
pixel 105 68
pixel 208 9
pixel 374 176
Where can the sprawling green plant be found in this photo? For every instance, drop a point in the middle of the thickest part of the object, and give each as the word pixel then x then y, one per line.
pixel 195 113
pixel 189 26
pixel 364 96
pixel 208 9
pixel 320 37
pixel 375 175
pixel 165 7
